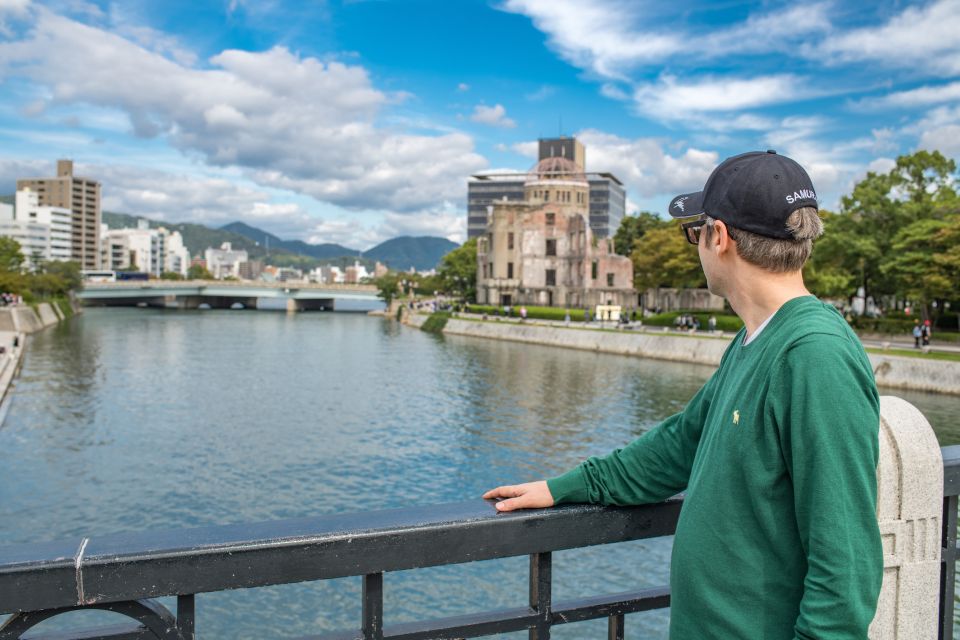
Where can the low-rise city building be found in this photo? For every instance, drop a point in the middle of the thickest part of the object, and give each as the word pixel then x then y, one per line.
pixel 59 219
pixel 542 251
pixel 33 237
pixel 225 261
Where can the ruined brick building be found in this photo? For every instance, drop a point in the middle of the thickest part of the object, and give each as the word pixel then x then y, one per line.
pixel 541 251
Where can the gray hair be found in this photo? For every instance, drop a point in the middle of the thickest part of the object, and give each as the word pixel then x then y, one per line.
pixel 774 254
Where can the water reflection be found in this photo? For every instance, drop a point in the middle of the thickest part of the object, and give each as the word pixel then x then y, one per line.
pixel 133 419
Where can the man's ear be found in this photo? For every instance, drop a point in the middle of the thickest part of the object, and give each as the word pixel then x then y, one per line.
pixel 720 240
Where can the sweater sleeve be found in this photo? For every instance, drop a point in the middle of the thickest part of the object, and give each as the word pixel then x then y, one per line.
pixel 826 408
pixel 652 468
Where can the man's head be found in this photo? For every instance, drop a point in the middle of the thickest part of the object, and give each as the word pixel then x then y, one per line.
pixel 757 207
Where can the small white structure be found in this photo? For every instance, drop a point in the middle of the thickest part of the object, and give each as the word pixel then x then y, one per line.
pixel 225 262
pixel 33 237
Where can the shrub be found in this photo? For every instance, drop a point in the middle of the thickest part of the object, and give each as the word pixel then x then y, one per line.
pixel 725 322
pixel 533 313
pixel 436 322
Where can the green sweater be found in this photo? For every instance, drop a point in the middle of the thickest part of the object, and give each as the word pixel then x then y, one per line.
pixel 778 535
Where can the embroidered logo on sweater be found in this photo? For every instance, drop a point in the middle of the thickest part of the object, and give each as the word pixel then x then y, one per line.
pixel 736 416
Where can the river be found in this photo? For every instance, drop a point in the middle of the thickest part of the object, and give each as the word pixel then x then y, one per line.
pixel 136 419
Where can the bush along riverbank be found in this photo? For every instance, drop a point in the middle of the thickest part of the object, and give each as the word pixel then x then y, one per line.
pixel 918 373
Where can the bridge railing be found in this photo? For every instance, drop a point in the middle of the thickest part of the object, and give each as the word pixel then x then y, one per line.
pixel 123 573
pixel 236 284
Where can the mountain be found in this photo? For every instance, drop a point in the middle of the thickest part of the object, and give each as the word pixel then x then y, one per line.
pixel 422 253
pixel 196 237
pixel 299 247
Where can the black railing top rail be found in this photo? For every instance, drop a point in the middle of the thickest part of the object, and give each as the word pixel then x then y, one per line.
pixel 123 567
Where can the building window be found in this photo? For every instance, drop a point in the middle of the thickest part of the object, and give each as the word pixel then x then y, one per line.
pixel 593 270
pixel 546 196
pixel 609 279
pixel 551 277
pixel 510 240
pixel 551 219
pixel 510 270
pixel 551 247
pixel 490 242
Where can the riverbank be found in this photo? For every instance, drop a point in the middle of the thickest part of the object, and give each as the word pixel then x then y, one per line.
pixel 891 371
pixel 15 323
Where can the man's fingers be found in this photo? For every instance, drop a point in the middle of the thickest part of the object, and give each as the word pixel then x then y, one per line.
pixel 510 505
pixel 508 491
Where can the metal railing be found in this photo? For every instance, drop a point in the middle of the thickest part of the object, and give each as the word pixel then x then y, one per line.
pixel 123 573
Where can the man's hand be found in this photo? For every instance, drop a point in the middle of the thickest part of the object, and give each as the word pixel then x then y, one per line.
pixel 530 495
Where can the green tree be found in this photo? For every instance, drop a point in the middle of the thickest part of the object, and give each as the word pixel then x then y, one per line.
pixel 632 229
pixel 458 271
pixel 198 272
pixel 921 186
pixel 11 256
pixel 68 271
pixel 924 260
pixel 170 275
pixel 663 258
pixel 388 287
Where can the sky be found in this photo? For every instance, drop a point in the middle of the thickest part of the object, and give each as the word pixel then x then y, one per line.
pixel 355 121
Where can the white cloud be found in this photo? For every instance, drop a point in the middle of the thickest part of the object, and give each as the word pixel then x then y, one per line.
pixel 530 149
pixel 670 98
pixel 463 86
pixel 495 116
pixel 919 37
pixel 881 165
pixel 919 97
pixel 289 122
pixel 944 139
pixel 542 93
pixel 645 166
pixel 611 37
pixel 16 9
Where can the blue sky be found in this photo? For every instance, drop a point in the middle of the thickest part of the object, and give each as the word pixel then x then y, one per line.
pixel 356 121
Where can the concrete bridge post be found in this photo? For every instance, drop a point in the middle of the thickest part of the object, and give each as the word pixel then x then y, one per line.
pixel 909 511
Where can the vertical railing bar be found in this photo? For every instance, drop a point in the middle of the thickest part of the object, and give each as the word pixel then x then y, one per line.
pixel 948 567
pixel 541 578
pixel 615 625
pixel 372 626
pixel 186 616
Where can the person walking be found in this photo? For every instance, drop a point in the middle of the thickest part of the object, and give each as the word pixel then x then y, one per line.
pixel 925 332
pixel 917 333
pixel 777 452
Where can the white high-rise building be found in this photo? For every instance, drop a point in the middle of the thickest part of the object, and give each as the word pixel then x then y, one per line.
pixel 177 259
pixel 59 219
pixel 33 237
pixel 144 248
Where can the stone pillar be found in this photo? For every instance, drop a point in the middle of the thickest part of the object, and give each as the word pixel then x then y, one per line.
pixel 292 305
pixel 909 510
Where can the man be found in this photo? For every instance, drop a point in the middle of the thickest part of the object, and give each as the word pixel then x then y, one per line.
pixel 777 453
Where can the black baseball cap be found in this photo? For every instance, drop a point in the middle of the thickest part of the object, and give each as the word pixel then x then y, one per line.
pixel 755 191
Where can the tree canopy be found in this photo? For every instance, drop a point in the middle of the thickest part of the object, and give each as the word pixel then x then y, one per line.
pixel 458 271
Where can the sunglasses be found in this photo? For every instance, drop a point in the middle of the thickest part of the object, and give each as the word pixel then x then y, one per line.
pixel 691 230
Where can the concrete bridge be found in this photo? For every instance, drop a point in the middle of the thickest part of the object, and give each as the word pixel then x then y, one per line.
pixel 190 294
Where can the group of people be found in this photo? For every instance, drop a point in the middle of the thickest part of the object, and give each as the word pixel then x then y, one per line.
pixel 921 333
pixel 10 299
pixel 692 323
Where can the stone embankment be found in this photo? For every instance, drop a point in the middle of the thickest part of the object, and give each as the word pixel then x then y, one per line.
pixel 15 323
pixel 897 372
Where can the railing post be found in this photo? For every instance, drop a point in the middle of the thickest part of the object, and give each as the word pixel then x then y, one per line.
pixel 615 627
pixel 186 617
pixel 948 567
pixel 540 584
pixel 373 606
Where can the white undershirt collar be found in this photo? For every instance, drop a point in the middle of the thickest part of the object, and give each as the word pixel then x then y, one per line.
pixel 748 339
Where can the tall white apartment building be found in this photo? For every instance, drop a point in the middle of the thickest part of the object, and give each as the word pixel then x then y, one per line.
pixel 33 237
pixel 177 259
pixel 59 219
pixel 224 262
